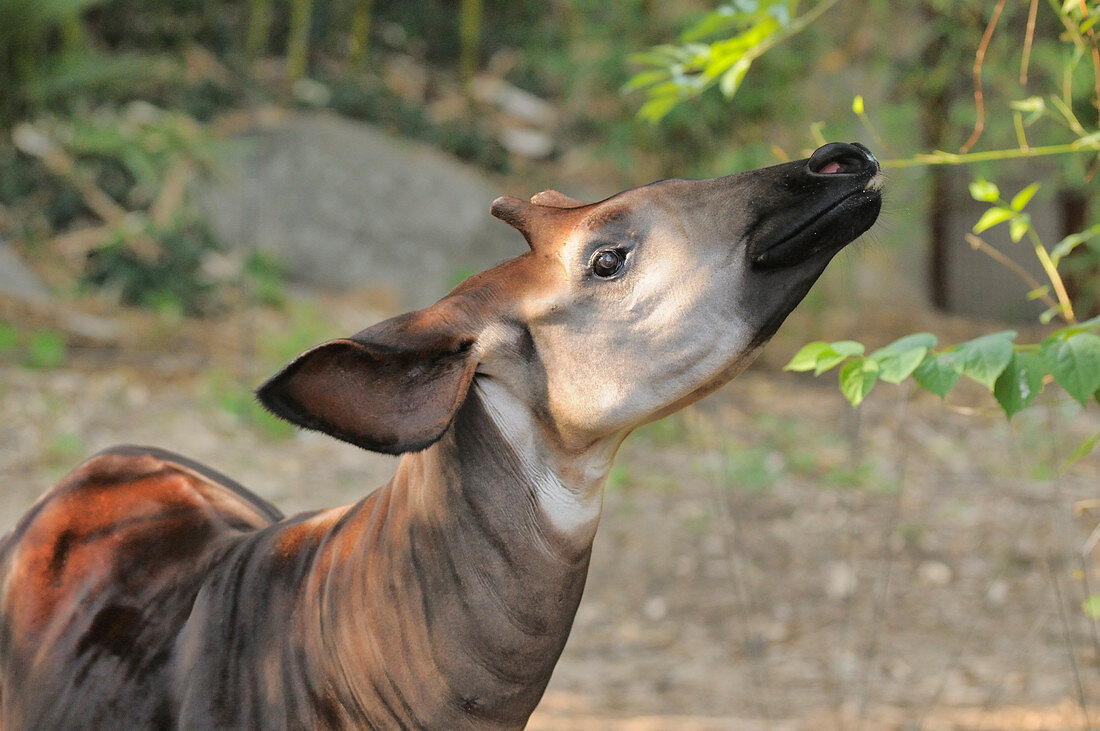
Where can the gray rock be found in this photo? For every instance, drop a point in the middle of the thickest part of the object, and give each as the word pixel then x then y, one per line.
pixel 17 280
pixel 347 206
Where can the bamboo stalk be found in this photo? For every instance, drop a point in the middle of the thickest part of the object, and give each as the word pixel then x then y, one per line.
pixel 359 41
pixel 297 45
pixel 259 26
pixel 469 32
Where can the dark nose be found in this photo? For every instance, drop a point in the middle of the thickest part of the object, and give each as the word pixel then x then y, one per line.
pixel 842 158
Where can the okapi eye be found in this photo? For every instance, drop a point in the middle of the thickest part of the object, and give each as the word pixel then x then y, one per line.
pixel 608 262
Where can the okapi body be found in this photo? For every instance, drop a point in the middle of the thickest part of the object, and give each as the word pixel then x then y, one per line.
pixel 147 591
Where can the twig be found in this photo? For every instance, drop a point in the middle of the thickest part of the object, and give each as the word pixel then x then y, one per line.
pixel 75 245
pixel 940 157
pixel 730 531
pixel 1029 37
pixel 979 60
pixel 888 555
pixel 979 244
pixel 1068 637
pixel 33 141
pixel 1065 306
pixel 172 193
pixel 1094 631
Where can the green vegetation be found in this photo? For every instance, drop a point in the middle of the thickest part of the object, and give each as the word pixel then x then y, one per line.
pixel 32 348
pixel 1060 56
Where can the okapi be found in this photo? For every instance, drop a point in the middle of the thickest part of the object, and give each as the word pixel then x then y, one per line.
pixel 148 591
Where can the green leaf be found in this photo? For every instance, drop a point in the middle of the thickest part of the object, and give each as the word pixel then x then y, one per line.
pixel 1074 361
pixel 1092 323
pixel 731 80
pixel 1039 292
pixel 857 379
pixel 899 359
pixel 646 78
pixel 984 359
pixel 1082 449
pixel 847 347
pixel 1019 226
pixel 1091 606
pixel 716 21
pixel 806 357
pixel 902 344
pixel 837 353
pixel 1071 242
pixel 657 109
pixel 1019 382
pixel 1032 104
pixel 820 356
pixel 937 373
pixel 1022 198
pixel 992 217
pixel 983 190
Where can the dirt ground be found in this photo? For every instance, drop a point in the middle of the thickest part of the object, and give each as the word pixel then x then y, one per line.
pixel 768 559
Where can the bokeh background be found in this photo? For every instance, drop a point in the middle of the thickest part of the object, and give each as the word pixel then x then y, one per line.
pixel 194 191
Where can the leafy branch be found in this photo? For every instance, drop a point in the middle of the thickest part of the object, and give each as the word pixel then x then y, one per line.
pixel 1014 373
pixel 675 73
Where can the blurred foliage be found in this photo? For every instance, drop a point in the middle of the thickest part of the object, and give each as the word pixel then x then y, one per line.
pixel 407 66
pixel 745 30
pixel 120 191
pixel 45 56
pixel 33 348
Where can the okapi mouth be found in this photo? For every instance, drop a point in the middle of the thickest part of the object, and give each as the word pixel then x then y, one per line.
pixel 841 184
pixel 824 232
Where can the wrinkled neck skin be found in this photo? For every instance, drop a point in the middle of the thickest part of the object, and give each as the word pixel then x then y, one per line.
pixel 442 600
pixel 471 575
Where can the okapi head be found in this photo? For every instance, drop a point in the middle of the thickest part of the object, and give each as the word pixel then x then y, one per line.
pixel 623 310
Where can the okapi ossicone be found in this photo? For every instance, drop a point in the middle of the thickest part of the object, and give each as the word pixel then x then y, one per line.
pixel 148 591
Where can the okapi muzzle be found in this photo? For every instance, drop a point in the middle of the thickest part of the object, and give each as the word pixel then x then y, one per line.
pixel 146 590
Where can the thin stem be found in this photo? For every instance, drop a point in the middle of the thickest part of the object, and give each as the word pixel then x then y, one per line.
pixel 1021 136
pixel 1051 270
pixel 1029 38
pixel 1095 63
pixel 1094 631
pixel 979 244
pixel 1067 638
pixel 939 157
pixel 979 61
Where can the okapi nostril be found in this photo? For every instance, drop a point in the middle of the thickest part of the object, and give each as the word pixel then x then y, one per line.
pixel 843 165
pixel 838 158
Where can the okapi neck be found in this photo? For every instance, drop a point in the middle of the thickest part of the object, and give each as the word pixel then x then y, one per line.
pixel 458 581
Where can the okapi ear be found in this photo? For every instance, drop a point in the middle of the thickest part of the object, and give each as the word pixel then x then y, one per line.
pixel 392 388
pixel 539 220
pixel 517 213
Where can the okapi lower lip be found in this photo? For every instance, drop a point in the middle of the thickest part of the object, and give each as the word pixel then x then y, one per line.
pixel 829 231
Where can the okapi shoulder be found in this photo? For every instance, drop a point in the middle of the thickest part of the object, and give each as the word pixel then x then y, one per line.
pixel 224 492
pixel 128 519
